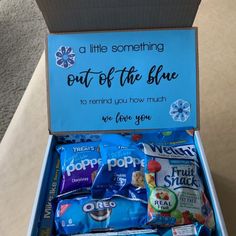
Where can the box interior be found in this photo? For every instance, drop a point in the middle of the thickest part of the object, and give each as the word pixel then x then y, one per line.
pixel 48 189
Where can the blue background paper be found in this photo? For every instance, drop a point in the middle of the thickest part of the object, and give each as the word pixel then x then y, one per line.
pixel 67 114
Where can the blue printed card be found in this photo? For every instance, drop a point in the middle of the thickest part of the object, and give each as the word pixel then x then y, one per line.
pixel 122 80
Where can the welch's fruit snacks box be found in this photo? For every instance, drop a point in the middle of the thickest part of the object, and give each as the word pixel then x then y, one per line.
pixel 118 82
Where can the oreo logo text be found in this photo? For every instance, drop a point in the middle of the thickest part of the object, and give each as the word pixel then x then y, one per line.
pixel 99 210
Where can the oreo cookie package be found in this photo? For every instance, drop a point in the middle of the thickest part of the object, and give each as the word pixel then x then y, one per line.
pixel 85 214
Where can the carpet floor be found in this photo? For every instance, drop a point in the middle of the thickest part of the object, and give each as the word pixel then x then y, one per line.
pixel 22 34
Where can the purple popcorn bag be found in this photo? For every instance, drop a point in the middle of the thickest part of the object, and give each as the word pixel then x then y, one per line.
pixel 79 165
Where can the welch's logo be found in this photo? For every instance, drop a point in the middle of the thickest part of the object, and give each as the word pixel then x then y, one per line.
pixel 186 151
pixel 99 210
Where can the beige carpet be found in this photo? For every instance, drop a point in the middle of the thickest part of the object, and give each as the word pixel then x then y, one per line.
pixel 22 31
pixel 217 62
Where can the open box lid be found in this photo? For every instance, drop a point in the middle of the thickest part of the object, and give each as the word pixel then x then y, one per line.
pixel 85 15
pixel 122 80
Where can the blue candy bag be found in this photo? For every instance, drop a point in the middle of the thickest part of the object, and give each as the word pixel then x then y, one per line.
pixel 122 170
pixel 169 137
pixel 85 214
pixel 79 138
pixel 79 165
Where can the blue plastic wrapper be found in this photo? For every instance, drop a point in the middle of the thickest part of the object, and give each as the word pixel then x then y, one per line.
pixel 122 170
pixel 85 214
pixel 169 137
pixel 79 165
pixel 78 138
pixel 118 140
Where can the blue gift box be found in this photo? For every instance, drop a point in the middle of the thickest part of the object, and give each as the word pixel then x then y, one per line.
pixel 119 81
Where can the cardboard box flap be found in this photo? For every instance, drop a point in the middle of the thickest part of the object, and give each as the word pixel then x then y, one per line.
pixel 86 15
pixel 122 80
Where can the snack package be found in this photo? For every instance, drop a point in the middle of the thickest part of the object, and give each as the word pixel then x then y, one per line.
pixel 79 138
pixel 135 232
pixel 175 189
pixel 162 137
pixel 195 229
pixel 122 170
pixel 79 165
pixel 84 215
